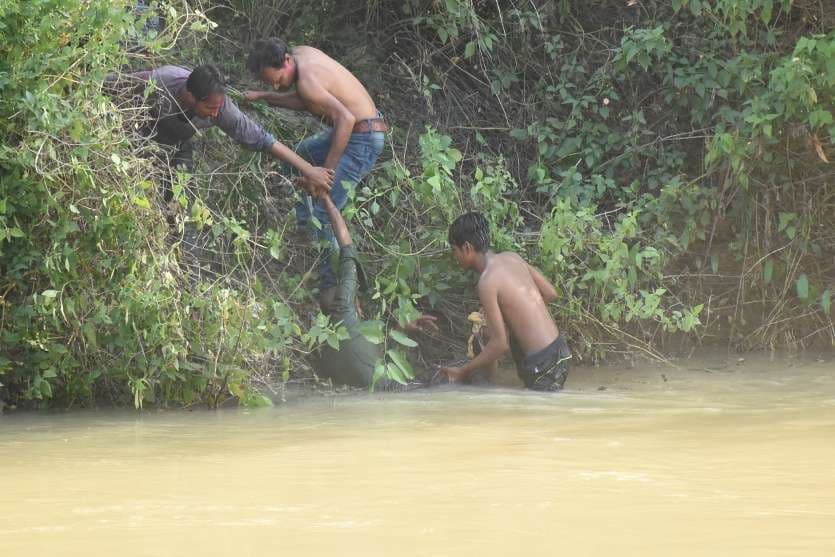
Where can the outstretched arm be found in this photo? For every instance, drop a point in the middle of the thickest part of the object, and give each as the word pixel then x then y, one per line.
pixel 317 178
pixel 251 135
pixel 290 99
pixel 498 343
pixel 340 229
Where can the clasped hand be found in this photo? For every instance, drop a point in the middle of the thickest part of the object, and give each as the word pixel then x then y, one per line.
pixel 318 188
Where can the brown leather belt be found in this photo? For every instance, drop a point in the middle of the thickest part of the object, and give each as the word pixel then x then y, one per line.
pixel 369 125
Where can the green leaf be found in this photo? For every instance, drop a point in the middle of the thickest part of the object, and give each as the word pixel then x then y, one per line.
pixel 256 400
pixel 395 373
pixel 333 341
pixel 142 202
pixel 826 301
pixel 89 331
pixel 469 50
pixel 767 8
pixel 802 285
pixel 402 363
pixel 372 331
pixel 379 372
pixel 402 338
pixel 696 7
pixel 49 293
pixel 768 271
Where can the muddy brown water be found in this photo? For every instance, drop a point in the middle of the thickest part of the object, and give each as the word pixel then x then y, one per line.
pixel 729 458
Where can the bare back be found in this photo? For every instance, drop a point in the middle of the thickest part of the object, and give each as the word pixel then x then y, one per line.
pixel 518 288
pixel 335 79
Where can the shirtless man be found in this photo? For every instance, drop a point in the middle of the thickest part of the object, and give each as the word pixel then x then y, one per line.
pixel 322 86
pixel 514 296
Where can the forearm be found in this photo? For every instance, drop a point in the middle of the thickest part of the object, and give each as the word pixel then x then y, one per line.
pixel 488 357
pixel 342 131
pixel 282 152
pixel 340 229
pixel 289 100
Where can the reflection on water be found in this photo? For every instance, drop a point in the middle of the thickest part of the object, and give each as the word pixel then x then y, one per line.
pixel 702 461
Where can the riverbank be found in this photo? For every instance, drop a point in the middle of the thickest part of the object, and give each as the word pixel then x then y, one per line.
pixel 666 168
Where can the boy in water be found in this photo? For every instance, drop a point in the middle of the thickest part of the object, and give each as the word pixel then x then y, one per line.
pixel 513 295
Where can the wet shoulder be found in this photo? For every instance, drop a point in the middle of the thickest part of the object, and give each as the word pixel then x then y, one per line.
pixel 511 267
pixel 312 59
pixel 498 269
pixel 511 261
pixel 304 50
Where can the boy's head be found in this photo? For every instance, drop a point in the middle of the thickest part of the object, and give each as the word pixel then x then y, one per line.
pixel 469 236
pixel 206 86
pixel 271 61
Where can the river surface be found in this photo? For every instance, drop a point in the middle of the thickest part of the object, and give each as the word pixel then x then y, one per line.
pixel 734 458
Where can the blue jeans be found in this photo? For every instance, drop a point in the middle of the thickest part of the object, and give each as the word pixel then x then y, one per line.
pixel 357 160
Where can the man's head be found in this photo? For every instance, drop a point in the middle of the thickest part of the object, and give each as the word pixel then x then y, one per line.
pixel 206 90
pixel 469 237
pixel 271 62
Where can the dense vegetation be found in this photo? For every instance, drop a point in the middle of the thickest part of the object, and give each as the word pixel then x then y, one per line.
pixel 665 163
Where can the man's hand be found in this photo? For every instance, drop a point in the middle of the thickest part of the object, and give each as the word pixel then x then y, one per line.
pixel 455 374
pixel 317 182
pixel 304 184
pixel 422 323
pixel 253 96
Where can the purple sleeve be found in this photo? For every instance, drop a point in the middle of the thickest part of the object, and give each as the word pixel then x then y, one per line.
pixel 242 129
pixel 133 82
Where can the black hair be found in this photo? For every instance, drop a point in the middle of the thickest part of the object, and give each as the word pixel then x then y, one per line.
pixel 473 228
pixel 205 81
pixel 267 53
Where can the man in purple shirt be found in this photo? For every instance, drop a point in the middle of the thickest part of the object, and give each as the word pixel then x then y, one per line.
pixel 183 102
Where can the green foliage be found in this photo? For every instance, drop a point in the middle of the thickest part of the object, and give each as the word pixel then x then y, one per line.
pixel 612 273
pixel 325 332
pixel 95 304
pixel 706 122
pixel 633 152
pixel 643 46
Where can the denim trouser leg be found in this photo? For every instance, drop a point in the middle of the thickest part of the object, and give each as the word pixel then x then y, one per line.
pixel 357 160
pixel 314 150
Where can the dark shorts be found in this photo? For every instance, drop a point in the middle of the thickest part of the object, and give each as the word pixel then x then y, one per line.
pixel 547 369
